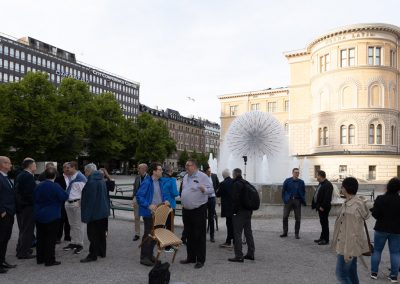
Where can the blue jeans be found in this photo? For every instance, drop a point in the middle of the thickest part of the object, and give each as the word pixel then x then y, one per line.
pixel 346 272
pixel 394 250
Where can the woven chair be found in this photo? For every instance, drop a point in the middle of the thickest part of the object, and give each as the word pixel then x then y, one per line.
pixel 160 234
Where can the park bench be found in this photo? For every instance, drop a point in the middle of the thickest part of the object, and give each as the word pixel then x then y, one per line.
pixel 123 188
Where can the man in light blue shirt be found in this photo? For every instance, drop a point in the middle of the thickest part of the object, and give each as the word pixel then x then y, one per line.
pixel 196 188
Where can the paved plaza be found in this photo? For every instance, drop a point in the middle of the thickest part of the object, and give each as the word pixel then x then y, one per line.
pixel 277 260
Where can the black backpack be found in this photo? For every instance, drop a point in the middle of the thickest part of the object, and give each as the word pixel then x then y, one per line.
pixel 250 196
pixel 159 274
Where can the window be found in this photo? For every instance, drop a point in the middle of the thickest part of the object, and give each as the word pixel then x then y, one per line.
pixel 343 134
pixel 375 96
pixel 374 55
pixel 11 65
pixel 12 52
pixel 393 134
pixel 379 134
pixel 29 57
pixel 347 57
pixel 324 63
pixel 286 106
pixel 22 68
pixel 22 55
pixel 6 53
pixel 1 51
pixel 352 134
pixel 255 107
pixel 342 169
pixel 5 64
pixel 233 110
pixel 17 54
pixel 371 134
pixel 371 172
pixel 34 59
pixel 393 61
pixel 272 107
pixel 323 136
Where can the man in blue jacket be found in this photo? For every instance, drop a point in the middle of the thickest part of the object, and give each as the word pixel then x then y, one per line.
pixel 149 196
pixel 293 195
pixel 95 209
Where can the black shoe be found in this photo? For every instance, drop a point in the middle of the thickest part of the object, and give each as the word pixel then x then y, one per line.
pixel 53 263
pixel 212 240
pixel 29 256
pixel 135 238
pixel 284 235
pixel 185 261
pixel 236 259
pixel 323 243
pixel 87 259
pixel 198 265
pixel 69 247
pixel 249 257
pixel 5 264
pixel 297 237
pixel 146 261
pixel 3 270
pixel 317 241
pixel 78 249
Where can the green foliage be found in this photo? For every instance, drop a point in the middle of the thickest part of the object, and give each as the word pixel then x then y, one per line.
pixel 153 140
pixel 183 157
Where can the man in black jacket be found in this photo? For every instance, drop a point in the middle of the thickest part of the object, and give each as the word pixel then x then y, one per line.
pixel 322 203
pixel 24 187
pixel 7 211
pixel 211 202
pixel 225 193
pixel 241 220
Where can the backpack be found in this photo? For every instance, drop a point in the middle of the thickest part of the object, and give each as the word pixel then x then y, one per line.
pixel 250 197
pixel 159 274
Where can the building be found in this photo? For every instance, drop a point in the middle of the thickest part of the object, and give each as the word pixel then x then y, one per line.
pixel 17 57
pixel 190 134
pixel 341 109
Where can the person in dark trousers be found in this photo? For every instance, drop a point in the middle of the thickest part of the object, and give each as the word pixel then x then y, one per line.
pixel 95 209
pixel 49 198
pixel 196 188
pixel 241 220
pixel 7 211
pixel 24 187
pixel 142 174
pixel 386 211
pixel 149 196
pixel 62 180
pixel 211 202
pixel 322 204
pixel 293 196
pixel 225 193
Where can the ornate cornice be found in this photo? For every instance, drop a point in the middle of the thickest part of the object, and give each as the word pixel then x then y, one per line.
pixel 270 92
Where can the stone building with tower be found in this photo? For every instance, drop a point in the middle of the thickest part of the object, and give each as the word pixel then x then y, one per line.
pixel 341 108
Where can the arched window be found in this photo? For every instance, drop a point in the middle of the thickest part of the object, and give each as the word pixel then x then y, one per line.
pixel 320 137
pixel 371 134
pixel 375 96
pixel 348 97
pixel 379 134
pixel 352 134
pixel 393 134
pixel 343 134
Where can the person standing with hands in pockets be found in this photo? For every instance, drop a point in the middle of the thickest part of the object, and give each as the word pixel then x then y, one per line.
pixel 196 188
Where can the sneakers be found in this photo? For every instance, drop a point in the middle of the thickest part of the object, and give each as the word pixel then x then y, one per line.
pixel 69 247
pixel 374 275
pixel 78 249
pixel 393 279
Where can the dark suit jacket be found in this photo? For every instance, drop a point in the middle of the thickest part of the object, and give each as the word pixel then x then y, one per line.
pixel 7 196
pixel 324 197
pixel 61 181
pixel 215 182
pixel 24 187
pixel 225 192
pixel 137 183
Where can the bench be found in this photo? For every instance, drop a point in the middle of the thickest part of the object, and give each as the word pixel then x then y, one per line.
pixel 123 188
pixel 367 192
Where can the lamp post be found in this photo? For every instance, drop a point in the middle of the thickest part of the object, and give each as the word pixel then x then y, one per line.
pixel 245 164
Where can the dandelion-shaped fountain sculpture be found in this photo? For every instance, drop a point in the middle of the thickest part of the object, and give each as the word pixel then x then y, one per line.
pixel 261 138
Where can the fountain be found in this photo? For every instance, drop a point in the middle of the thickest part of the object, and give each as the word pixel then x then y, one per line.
pixel 212 162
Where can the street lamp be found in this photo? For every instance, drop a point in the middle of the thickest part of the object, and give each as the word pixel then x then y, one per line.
pixel 245 164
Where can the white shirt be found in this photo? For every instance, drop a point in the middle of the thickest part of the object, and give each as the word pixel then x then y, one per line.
pixel 76 189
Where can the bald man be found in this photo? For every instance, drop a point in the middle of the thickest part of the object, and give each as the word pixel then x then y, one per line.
pixel 7 211
pixel 142 174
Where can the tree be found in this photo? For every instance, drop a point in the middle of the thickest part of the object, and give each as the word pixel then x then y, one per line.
pixel 129 139
pixel 183 157
pixel 153 140
pixel 5 117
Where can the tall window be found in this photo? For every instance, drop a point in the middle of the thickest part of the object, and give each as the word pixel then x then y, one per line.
pixel 233 110
pixel 352 134
pixel 347 57
pixel 374 55
pixel 379 134
pixel 286 106
pixel 375 96
pixel 371 172
pixel 393 61
pixel 371 134
pixel 255 107
pixel 375 134
pixel 272 107
pixel 317 168
pixel 324 63
pixel 393 134
pixel 343 134
pixel 325 132
pixel 323 136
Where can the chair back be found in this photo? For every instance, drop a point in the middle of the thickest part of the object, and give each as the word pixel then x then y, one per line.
pixel 161 215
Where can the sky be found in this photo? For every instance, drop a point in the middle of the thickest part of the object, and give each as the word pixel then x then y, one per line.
pixel 181 49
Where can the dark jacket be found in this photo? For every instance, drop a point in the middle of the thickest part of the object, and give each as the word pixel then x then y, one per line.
pixel 137 183
pixel 324 196
pixel 237 195
pixel 7 196
pixel 49 198
pixel 386 211
pixel 215 182
pixel 294 188
pixel 225 192
pixel 61 181
pixel 94 200
pixel 24 187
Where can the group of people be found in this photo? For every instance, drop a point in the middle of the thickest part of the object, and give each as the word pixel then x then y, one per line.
pixel 350 239
pixel 51 205
pixel 198 192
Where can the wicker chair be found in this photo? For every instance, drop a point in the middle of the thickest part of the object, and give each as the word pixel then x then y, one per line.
pixel 160 234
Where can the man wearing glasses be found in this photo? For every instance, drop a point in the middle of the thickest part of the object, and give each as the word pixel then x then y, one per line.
pixel 293 195
pixel 196 189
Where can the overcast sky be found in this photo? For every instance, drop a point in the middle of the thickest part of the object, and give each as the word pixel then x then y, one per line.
pixel 198 49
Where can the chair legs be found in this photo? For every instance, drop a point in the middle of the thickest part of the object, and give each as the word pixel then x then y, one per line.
pixel 173 257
